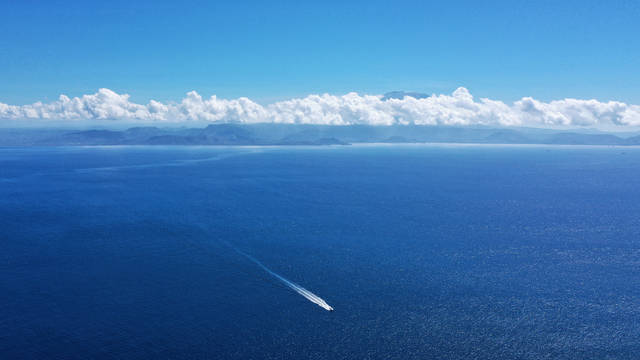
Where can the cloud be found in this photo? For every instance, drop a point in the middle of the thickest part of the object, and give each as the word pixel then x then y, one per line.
pixel 574 112
pixel 458 108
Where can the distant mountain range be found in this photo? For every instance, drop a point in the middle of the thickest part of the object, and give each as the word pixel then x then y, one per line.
pixel 402 94
pixel 292 134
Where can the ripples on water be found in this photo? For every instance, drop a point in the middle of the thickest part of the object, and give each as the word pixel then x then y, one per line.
pixel 425 252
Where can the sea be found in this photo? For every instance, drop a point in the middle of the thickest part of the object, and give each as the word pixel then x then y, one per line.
pixel 424 251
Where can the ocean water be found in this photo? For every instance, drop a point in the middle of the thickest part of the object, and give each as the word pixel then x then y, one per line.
pixel 424 251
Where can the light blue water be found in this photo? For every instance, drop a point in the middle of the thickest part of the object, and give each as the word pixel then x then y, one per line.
pixel 456 252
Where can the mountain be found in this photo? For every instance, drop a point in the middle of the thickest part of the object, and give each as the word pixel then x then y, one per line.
pixel 507 137
pixel 634 140
pixel 229 134
pixel 304 134
pixel 94 137
pixel 570 138
pixel 401 95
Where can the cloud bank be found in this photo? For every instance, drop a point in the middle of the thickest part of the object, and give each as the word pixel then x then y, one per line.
pixel 458 108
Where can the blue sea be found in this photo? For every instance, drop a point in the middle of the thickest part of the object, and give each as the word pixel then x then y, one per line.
pixel 424 252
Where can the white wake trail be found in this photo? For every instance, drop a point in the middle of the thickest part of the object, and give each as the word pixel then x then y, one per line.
pixel 297 288
pixel 174 163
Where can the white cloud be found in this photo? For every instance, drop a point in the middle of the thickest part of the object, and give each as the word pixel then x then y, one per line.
pixel 577 112
pixel 459 108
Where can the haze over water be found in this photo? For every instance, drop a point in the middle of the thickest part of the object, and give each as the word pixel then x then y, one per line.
pixel 424 251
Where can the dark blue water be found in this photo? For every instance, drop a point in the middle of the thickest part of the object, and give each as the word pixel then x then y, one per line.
pixel 425 252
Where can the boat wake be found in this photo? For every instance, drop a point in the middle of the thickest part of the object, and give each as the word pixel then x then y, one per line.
pixel 295 287
pixel 168 164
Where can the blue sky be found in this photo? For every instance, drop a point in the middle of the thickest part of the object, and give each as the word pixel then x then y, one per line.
pixel 274 50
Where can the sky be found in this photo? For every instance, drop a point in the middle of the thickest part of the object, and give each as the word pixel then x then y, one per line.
pixel 282 51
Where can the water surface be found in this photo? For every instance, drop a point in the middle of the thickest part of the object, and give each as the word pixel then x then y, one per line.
pixel 424 251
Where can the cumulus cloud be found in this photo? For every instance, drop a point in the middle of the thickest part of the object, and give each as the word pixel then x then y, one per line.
pixel 458 108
